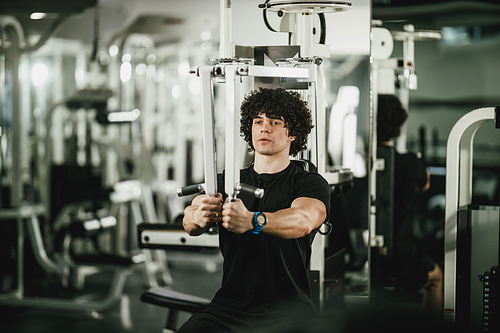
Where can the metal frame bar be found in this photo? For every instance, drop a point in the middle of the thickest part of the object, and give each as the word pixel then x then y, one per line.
pixel 267 71
pixel 207 109
pixel 458 194
pixel 177 238
pixel 232 154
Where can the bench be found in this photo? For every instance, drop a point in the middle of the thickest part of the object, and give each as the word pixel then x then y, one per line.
pixel 175 301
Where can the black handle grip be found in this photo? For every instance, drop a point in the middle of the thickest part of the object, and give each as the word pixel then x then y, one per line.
pixel 255 191
pixel 190 189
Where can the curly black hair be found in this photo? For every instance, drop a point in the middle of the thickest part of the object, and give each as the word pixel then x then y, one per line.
pixel 277 103
pixel 390 117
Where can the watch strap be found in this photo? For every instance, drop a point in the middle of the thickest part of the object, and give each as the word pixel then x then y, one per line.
pixel 257 227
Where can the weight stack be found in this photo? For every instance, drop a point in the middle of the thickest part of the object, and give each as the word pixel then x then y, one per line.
pixel 491 300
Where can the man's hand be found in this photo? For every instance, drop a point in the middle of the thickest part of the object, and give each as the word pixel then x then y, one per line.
pixel 208 211
pixel 202 212
pixel 236 217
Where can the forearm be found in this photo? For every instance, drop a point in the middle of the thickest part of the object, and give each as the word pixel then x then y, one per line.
pixel 304 215
pixel 291 223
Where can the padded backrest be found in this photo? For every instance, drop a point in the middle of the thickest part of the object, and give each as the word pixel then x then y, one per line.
pixel 306 165
pixel 385 198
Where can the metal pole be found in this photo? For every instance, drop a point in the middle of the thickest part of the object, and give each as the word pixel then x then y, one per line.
pixel 225 29
pixel 232 179
pixel 207 110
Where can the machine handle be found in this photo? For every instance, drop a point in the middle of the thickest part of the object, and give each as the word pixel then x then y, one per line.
pixel 251 190
pixel 190 189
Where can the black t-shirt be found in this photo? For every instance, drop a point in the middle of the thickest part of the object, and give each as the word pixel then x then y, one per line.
pixel 262 273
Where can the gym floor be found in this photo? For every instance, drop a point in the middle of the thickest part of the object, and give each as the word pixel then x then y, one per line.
pixel 200 274
pixel 193 273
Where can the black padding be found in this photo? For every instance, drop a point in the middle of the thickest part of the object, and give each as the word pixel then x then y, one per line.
pixel 306 165
pixel 160 226
pixel 169 298
pixel 497 117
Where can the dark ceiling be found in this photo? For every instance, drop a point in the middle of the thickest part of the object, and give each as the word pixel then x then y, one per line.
pixel 45 6
pixel 437 13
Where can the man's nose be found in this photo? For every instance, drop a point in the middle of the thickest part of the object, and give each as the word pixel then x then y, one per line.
pixel 266 127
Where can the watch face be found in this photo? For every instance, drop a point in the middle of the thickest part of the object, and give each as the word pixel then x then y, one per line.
pixel 261 219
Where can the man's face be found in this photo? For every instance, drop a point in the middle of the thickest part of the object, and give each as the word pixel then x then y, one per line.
pixel 270 136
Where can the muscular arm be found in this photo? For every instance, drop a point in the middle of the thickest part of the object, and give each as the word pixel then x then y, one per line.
pixel 202 212
pixel 304 215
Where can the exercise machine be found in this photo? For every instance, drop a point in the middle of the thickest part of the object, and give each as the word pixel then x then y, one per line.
pixel 288 67
pixel 471 233
pixel 387 75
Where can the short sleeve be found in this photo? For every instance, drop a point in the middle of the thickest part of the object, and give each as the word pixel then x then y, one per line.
pixel 313 185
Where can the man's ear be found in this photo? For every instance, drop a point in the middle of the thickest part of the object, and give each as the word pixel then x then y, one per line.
pixel 291 138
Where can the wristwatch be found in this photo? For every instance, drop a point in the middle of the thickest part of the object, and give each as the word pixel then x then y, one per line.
pixel 259 222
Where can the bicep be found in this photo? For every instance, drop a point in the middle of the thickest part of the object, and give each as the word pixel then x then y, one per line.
pixel 314 210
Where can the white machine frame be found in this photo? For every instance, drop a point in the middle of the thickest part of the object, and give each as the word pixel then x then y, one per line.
pixel 459 161
pixel 230 70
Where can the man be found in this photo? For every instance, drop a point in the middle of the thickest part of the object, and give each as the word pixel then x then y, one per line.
pixel 266 243
pixel 412 268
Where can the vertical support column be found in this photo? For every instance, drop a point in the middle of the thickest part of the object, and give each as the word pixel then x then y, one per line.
pixel 150 117
pixel 409 57
pixel 225 29
pixel 318 157
pixel 16 129
pixel 232 132
pixel 11 60
pixel 307 47
pixel 313 136
pixel 410 81
pixel 372 185
pixel 321 119
pixel 183 115
pixel 207 110
pixel 372 166
pixel 465 166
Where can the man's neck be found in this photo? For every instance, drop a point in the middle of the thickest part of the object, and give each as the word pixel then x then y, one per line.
pixel 270 164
